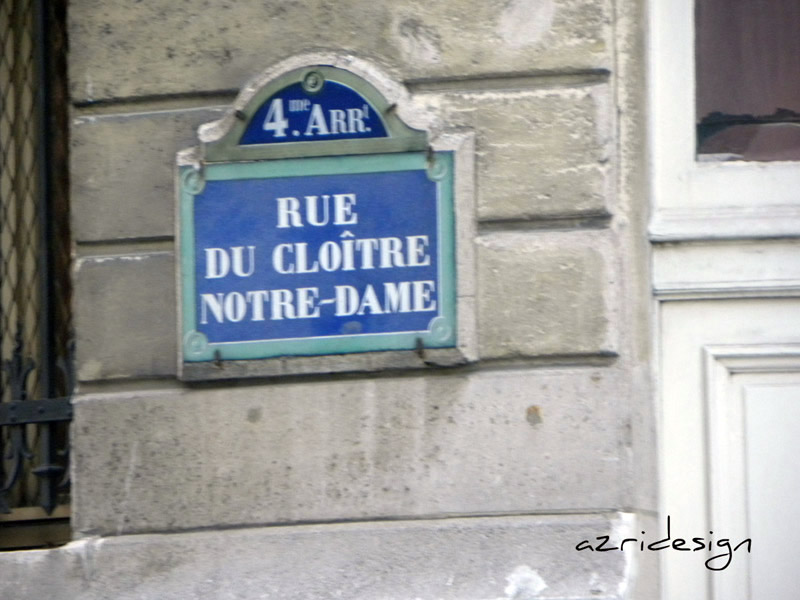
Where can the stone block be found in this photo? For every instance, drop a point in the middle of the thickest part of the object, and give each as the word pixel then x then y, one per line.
pixel 125 316
pixel 540 154
pixel 123 172
pixel 323 450
pixel 162 47
pixel 546 293
pixel 502 558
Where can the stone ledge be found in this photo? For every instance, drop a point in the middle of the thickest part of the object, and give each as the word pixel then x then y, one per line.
pixel 511 441
pixel 498 558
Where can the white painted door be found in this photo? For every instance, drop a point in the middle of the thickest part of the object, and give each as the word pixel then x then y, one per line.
pixel 730 396
pixel 726 276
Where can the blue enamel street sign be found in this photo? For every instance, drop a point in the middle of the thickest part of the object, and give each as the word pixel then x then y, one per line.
pixel 318 256
pixel 317 224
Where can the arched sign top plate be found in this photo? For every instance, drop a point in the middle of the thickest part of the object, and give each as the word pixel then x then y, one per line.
pixel 314 111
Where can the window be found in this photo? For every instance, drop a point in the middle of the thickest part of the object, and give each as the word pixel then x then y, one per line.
pixel 743 195
pixel 748 79
pixel 35 379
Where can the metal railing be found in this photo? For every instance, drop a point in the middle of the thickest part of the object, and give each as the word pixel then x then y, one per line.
pixel 36 377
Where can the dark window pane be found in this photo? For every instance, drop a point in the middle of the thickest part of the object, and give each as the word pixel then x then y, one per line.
pixel 35 334
pixel 748 78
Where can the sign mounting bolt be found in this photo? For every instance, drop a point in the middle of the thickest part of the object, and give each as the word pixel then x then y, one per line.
pixel 313 81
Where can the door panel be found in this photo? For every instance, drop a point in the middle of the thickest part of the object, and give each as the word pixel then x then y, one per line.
pixel 772 423
pixel 730 371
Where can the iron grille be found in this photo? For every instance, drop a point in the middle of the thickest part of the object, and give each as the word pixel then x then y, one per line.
pixel 35 349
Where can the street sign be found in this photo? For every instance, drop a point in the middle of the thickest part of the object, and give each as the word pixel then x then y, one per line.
pixel 319 256
pixel 293 247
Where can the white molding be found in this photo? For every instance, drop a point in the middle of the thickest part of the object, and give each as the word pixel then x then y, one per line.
pixel 755 358
pixel 701 270
pixel 729 290
pixel 700 223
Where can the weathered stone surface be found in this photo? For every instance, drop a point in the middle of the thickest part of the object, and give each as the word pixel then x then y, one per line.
pixel 503 558
pixel 540 154
pixel 546 293
pixel 133 49
pixel 510 441
pixel 123 172
pixel 125 316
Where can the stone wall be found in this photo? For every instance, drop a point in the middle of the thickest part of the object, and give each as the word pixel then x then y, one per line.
pixel 495 470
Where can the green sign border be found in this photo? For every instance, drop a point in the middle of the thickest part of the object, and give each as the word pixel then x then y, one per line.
pixel 442 329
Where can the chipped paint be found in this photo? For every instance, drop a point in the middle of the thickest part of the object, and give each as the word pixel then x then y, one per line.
pixel 524 584
pixel 89 88
pixel 91 369
pixel 123 257
pixel 534 415
pixel 128 486
pixel 525 22
pixel 420 42
pixel 146 114
pixel 624 527
pixel 86 551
